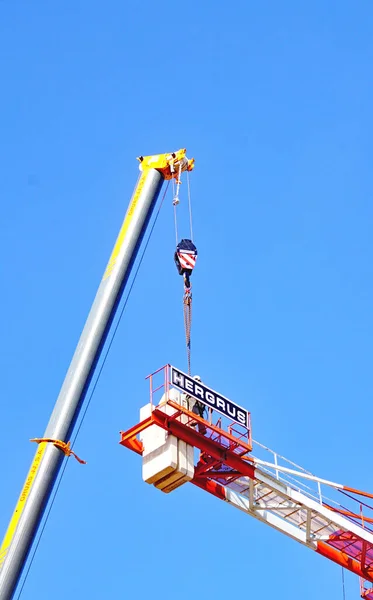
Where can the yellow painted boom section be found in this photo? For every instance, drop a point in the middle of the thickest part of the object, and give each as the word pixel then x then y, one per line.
pixel 126 223
pixel 170 165
pixel 22 501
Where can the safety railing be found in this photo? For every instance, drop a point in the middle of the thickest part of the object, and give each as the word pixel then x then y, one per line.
pixel 216 424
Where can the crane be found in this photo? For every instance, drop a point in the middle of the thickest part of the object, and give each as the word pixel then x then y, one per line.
pixel 275 491
pixel 55 443
pixel 188 432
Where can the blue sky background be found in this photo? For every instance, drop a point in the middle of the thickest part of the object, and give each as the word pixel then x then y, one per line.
pixel 273 99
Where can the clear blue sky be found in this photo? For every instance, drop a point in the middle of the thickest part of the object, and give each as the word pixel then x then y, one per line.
pixel 274 100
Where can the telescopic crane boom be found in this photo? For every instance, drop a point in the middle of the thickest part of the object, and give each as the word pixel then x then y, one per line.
pixel 54 445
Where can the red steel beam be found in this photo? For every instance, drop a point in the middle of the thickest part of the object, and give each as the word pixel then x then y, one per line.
pixel 237 442
pixel 345 561
pixel 210 486
pixel 188 435
pixel 323 548
pixel 240 466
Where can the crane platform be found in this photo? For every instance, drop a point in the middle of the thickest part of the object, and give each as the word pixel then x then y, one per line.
pixel 263 485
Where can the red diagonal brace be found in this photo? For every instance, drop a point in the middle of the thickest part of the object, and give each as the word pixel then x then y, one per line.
pixel 345 561
pixel 188 435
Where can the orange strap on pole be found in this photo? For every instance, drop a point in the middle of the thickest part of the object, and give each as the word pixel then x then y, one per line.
pixel 64 446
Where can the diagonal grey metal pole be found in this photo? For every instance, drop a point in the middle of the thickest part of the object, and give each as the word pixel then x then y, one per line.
pixel 48 458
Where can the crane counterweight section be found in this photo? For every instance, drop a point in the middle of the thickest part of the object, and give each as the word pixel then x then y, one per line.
pixel 276 492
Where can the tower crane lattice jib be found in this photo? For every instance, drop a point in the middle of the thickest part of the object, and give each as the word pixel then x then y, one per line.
pixel 273 490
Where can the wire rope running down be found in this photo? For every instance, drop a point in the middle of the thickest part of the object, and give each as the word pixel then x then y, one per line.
pixel 343 585
pixel 185 259
pixel 187 302
pixel 176 202
pixel 58 483
pixel 190 208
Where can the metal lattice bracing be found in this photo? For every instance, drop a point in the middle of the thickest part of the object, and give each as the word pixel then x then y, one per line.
pixel 286 498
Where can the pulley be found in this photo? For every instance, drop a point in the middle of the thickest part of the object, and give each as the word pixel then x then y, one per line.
pixel 185 259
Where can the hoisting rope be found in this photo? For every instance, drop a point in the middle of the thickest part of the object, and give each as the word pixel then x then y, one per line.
pixel 343 585
pixel 187 303
pixel 64 446
pixel 185 259
pixel 175 202
pixel 190 207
